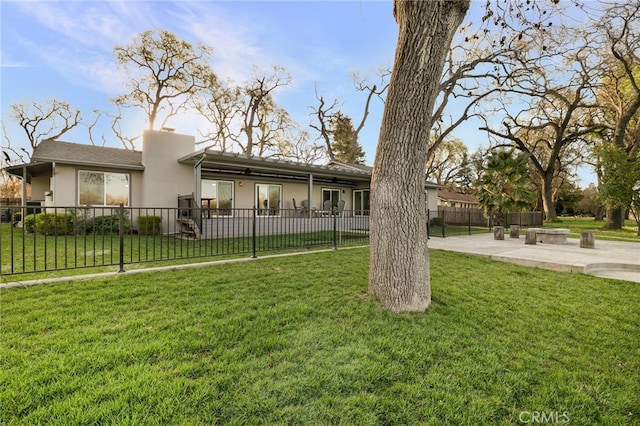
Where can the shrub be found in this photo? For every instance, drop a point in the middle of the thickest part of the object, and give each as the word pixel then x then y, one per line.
pixel 105 225
pixel 54 223
pixel 149 225
pixel 436 221
pixel 17 216
pixel 29 223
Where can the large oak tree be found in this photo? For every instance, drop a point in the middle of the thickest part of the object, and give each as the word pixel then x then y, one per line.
pixel 399 262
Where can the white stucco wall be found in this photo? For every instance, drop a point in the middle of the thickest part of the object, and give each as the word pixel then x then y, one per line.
pixel 432 199
pixel 164 178
pixel 39 185
pixel 65 185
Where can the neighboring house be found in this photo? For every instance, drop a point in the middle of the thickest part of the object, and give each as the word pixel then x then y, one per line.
pixel 68 174
pixel 454 199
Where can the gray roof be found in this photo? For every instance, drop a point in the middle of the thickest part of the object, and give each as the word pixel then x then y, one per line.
pixel 229 161
pixel 455 196
pixel 82 154
pixel 351 166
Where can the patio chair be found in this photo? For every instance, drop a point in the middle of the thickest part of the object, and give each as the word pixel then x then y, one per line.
pixel 327 208
pixel 341 204
pixel 305 207
pixel 298 211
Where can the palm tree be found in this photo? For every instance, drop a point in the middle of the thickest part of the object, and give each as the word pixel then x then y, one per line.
pixel 503 184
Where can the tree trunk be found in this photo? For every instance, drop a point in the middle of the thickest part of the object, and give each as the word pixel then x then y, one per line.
pixel 614 218
pixel 548 205
pixel 399 262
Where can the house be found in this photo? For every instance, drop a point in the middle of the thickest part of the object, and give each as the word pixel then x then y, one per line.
pixel 63 174
pixel 454 199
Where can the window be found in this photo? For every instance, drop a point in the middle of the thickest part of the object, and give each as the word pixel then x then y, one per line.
pixel 332 195
pixel 268 199
pixel 361 204
pixel 103 188
pixel 217 197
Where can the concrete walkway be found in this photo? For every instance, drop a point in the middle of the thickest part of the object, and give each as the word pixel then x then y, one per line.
pixel 610 259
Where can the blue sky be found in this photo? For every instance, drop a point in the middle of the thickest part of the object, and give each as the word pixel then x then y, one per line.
pixel 64 50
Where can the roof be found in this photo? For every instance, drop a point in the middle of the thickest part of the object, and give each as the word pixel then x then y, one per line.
pixel 49 151
pixel 351 166
pixel 75 153
pixel 235 163
pixel 454 196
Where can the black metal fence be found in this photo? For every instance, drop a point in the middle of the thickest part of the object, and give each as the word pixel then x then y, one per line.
pixel 41 239
pixel 451 221
pixel 58 238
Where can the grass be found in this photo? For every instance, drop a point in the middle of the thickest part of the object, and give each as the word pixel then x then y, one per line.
pixel 297 341
pixel 629 231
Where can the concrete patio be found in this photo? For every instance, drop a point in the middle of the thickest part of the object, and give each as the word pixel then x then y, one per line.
pixel 610 259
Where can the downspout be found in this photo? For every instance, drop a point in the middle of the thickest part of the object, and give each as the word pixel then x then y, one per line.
pixel 52 183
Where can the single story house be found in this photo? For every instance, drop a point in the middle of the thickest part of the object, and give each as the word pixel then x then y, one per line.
pixel 455 199
pixel 63 174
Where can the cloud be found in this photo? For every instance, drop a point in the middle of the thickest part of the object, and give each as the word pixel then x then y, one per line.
pixel 8 61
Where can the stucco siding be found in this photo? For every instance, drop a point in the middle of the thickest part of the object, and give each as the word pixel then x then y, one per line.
pixel 65 186
pixel 39 185
pixel 164 178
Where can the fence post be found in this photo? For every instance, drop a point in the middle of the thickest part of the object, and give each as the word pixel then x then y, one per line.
pixel 253 234
pixel 469 221
pixel 443 221
pixel 121 235
pixel 428 223
pixel 335 230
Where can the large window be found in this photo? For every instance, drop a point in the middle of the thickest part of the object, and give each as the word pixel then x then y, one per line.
pixel 268 199
pixel 217 197
pixel 361 204
pixel 330 194
pixel 103 188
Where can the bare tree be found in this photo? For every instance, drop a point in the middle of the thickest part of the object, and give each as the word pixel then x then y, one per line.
pixel 220 105
pixel 10 187
pixel 261 118
pixel 399 261
pixel 128 142
pixel 299 147
pixel 323 114
pixel 92 126
pixel 164 73
pixel 50 120
pixel 372 90
pixel 328 115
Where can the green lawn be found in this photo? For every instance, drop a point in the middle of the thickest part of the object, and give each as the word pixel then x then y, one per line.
pixel 629 231
pixel 297 341
pixel 27 256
